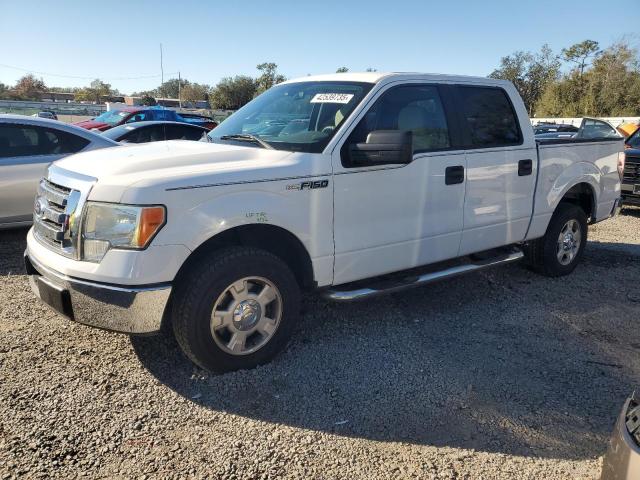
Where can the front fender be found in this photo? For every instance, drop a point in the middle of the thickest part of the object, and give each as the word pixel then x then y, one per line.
pixel 199 214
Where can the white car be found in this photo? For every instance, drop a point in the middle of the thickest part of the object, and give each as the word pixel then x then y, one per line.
pixel 350 184
pixel 27 146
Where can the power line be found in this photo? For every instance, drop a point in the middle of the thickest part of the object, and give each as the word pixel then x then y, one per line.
pixel 82 78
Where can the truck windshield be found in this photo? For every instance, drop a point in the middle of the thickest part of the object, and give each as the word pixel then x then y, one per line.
pixel 300 117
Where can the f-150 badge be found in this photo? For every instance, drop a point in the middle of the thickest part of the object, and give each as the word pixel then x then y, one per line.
pixel 308 185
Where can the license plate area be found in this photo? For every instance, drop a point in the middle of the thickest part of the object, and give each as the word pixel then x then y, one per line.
pixel 56 297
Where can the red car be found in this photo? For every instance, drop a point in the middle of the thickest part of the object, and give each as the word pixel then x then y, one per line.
pixel 113 118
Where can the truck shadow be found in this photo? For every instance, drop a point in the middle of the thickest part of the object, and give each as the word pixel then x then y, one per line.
pixel 631 211
pixel 12 246
pixel 501 361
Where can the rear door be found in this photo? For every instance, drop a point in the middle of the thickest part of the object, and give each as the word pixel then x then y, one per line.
pixel 25 152
pixel 501 168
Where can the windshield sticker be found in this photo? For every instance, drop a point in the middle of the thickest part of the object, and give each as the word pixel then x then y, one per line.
pixel 332 98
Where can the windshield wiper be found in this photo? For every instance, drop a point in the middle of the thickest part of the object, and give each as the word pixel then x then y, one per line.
pixel 247 137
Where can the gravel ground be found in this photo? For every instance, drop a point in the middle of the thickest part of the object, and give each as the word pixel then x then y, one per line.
pixel 499 374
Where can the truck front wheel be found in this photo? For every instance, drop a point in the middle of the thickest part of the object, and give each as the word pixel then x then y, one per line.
pixel 560 250
pixel 236 309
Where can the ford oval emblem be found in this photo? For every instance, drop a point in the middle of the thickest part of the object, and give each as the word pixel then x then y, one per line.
pixel 38 207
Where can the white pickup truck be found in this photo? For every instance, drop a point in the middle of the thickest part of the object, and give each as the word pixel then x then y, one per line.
pixel 349 184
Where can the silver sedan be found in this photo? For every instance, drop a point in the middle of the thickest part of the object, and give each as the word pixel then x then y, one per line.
pixel 27 146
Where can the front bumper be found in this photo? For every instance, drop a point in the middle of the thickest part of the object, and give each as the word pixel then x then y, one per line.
pixel 630 193
pixel 622 460
pixel 126 309
pixel 631 199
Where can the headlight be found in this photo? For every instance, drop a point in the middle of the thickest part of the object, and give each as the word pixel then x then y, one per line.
pixel 111 225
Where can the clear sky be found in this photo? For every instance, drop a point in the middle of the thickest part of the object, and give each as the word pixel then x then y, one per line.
pixel 207 40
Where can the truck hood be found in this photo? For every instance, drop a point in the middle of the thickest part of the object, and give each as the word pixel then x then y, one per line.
pixel 179 164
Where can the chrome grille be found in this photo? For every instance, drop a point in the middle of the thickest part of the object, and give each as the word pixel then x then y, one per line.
pixel 631 171
pixel 54 206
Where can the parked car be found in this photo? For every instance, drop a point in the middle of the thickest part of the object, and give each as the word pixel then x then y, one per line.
pixel 597 128
pixel 143 132
pixel 589 128
pixel 630 187
pixel 550 135
pixel 553 127
pixel 353 185
pixel 126 115
pixel 27 146
pixel 622 460
pixel 46 114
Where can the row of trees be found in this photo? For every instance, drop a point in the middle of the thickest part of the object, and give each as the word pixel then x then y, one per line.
pixel 582 79
pixel 31 88
pixel 230 93
pixel 597 82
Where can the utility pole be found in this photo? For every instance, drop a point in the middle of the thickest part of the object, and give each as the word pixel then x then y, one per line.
pixel 179 88
pixel 161 74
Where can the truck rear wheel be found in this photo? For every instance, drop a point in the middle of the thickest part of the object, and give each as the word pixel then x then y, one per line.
pixel 236 309
pixel 559 251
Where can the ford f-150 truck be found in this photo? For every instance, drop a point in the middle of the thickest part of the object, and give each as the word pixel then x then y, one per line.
pixel 350 184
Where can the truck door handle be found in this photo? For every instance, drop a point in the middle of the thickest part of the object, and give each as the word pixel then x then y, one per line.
pixel 525 167
pixel 453 175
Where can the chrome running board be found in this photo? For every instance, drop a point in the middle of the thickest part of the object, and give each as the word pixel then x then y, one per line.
pixel 348 295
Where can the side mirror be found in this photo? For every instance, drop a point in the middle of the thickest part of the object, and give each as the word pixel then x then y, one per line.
pixel 383 147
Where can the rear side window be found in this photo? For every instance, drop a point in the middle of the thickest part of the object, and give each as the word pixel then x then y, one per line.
pixel 149 133
pixel 27 140
pixel 180 132
pixel 489 117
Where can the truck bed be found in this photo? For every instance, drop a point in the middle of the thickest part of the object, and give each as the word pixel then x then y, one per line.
pixel 564 162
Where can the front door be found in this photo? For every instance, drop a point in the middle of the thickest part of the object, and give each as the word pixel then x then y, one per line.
pixel 394 217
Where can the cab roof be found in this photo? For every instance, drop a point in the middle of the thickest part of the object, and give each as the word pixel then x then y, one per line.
pixel 376 77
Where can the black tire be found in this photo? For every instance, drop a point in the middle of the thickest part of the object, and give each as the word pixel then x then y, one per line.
pixel 200 288
pixel 542 253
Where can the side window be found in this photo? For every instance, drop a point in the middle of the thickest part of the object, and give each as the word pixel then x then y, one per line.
pixel 18 141
pixel 139 117
pixel 139 135
pixel 489 117
pixel 26 140
pixel 156 133
pixel 132 136
pixel 417 108
pixel 63 142
pixel 180 132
